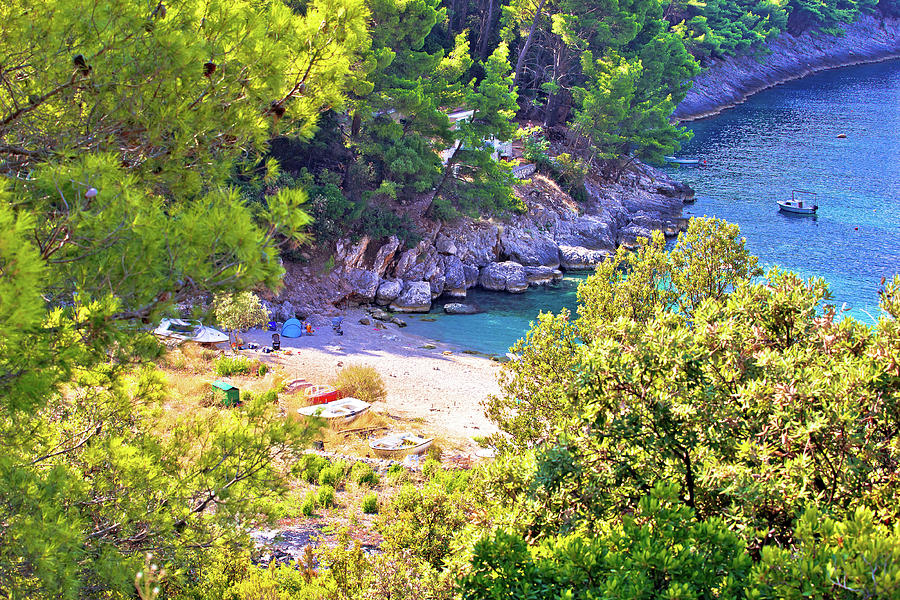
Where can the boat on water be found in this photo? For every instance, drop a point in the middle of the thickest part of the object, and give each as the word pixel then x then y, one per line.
pixel 682 161
pixel 189 331
pixel 337 413
pixel 399 445
pixel 801 203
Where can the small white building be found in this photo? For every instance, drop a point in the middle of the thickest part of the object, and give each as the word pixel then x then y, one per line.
pixel 501 149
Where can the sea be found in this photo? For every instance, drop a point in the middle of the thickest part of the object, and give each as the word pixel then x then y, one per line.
pixel 782 139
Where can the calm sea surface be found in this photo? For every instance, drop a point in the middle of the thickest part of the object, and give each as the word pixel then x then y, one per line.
pixel 781 139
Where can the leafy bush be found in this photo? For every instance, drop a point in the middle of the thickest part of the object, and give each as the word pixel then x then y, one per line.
pixel 233 365
pixel 361 381
pixel 396 474
pixel 422 520
pixel 333 474
pixel 362 474
pixel 430 467
pixel 325 496
pixel 309 505
pixel 263 369
pixel 309 466
pixel 370 503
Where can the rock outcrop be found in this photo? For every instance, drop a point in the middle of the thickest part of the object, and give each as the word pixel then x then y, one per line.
pixel 731 80
pixel 507 276
pixel 523 250
pixel 415 297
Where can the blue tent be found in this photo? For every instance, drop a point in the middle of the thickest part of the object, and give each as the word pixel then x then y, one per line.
pixel 291 329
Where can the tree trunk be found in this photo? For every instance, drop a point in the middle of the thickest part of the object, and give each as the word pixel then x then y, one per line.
pixel 520 62
pixel 486 31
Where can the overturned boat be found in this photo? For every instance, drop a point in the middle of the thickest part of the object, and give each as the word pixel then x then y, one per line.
pixel 189 331
pixel 400 445
pixel 337 413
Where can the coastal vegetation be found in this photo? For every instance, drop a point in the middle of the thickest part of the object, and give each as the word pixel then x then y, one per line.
pixel 734 433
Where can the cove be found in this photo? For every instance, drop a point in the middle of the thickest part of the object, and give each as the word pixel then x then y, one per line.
pixel 781 139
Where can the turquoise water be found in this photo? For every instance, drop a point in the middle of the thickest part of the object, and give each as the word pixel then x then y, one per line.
pixel 782 139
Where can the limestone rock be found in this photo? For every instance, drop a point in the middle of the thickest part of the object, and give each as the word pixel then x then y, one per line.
pixel 416 297
pixel 387 292
pixel 363 285
pixel 471 273
pixel 541 275
pixel 351 255
pixel 457 308
pixel 577 258
pixel 506 276
pixel 528 247
pixel 629 236
pixel 445 245
pixel 454 277
pixel 478 245
pixel 385 255
pixel 398 322
pixel 586 231
pixel 365 321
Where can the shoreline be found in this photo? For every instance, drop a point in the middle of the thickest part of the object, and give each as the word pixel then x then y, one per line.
pixel 731 81
pixel 813 71
pixel 428 381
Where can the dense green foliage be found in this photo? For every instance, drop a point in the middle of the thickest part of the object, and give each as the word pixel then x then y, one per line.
pixel 140 166
pixel 116 134
pixel 747 408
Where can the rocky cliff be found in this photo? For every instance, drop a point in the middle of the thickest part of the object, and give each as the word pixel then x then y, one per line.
pixel 556 234
pixel 730 81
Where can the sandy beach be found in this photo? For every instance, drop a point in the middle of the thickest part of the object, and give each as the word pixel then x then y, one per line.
pixel 441 387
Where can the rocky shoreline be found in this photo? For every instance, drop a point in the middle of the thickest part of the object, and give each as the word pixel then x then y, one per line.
pixel 730 81
pixel 556 234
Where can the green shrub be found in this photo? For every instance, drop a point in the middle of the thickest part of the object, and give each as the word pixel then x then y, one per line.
pixel 233 365
pixel 263 369
pixel 333 474
pixel 424 521
pixel 370 503
pixel 361 381
pixel 309 505
pixel 326 496
pixel 309 466
pixel 430 468
pixel 362 474
pixel 396 474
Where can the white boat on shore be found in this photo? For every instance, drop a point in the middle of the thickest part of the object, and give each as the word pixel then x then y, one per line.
pixel 337 413
pixel 399 445
pixel 189 331
pixel 797 205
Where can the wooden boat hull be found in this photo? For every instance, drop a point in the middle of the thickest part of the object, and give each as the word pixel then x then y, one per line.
pixel 337 414
pixel 400 452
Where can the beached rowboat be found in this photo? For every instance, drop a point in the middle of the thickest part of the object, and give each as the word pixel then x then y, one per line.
pixel 189 331
pixel 337 413
pixel 400 445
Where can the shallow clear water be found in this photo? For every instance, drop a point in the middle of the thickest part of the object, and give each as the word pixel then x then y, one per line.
pixel 782 139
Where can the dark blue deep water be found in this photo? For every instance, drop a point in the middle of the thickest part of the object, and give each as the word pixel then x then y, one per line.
pixel 782 139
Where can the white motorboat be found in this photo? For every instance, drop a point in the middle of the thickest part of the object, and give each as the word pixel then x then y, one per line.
pixel 189 331
pixel 798 205
pixel 400 445
pixel 682 161
pixel 337 413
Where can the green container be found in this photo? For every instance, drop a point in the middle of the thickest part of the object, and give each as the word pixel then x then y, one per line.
pixel 226 393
